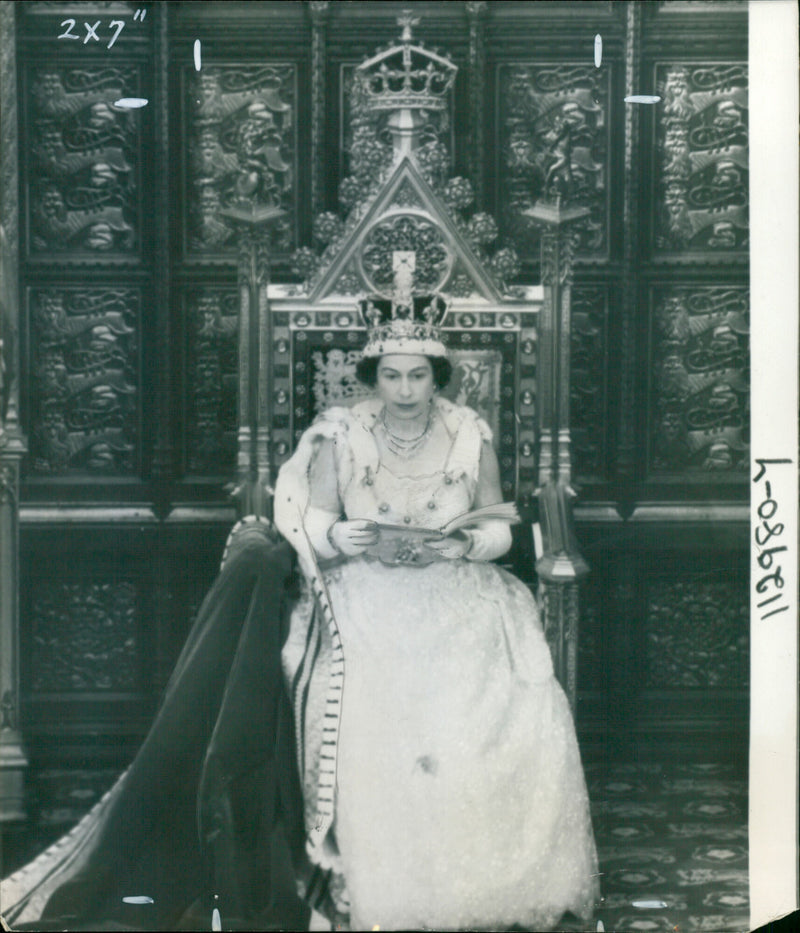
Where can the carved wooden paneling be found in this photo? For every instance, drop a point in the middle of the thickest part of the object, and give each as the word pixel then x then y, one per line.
pixel 241 148
pixel 548 114
pixel 697 632
pixel 84 636
pixel 588 382
pixel 211 316
pixel 701 183
pixel 82 155
pixel 84 380
pixel 700 380
pixel 593 663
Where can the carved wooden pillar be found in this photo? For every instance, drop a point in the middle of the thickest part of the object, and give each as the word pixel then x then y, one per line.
pixel 255 461
pixel 476 11
pixel 320 13
pixel 626 445
pixel 13 447
pixel 163 465
pixel 561 565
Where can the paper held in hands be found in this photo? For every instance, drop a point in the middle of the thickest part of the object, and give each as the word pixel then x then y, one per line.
pixel 405 544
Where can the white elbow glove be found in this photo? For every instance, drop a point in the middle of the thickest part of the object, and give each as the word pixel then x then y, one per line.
pixel 490 541
pixel 317 523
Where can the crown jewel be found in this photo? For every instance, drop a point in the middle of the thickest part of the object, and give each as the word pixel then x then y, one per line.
pixel 406 322
pixel 406 76
pixel 406 325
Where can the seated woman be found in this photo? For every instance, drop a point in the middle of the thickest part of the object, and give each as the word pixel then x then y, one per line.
pixel 441 775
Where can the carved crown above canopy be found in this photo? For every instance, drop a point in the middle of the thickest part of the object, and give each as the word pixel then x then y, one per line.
pixel 406 76
pixel 397 196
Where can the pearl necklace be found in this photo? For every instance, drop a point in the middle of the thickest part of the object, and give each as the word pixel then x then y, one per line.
pixel 405 447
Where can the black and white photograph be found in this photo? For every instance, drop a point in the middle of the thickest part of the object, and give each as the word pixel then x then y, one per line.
pixel 398 514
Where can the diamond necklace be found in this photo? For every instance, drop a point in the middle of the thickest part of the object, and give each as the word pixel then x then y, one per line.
pixel 405 446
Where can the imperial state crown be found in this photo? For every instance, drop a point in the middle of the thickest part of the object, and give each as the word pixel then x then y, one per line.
pixel 407 326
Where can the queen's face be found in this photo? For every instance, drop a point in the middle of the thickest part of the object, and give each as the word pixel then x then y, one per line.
pixel 405 385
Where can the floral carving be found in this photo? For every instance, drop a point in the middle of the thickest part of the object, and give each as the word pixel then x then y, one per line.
pixel 305 262
pixel 461 286
pixel 84 636
pixel 327 227
pixel 481 230
pixel 349 192
pixel 458 194
pixel 696 634
pixel 505 264
pixel 588 348
pixel 407 232
pixel 212 382
pixel 349 284
pixel 434 161
pixel 407 196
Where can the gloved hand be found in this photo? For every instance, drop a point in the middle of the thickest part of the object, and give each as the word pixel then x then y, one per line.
pixel 453 546
pixel 489 541
pixel 353 537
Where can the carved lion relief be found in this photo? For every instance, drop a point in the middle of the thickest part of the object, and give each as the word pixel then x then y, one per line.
pixel 84 380
pixel 702 158
pixel 700 379
pixel 84 187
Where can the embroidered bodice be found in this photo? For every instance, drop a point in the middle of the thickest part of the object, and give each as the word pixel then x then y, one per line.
pixel 370 488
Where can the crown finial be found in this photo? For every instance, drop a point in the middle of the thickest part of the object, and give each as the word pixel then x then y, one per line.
pixel 406 76
pixel 406 20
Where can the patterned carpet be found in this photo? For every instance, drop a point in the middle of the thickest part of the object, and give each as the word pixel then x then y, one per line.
pixel 672 842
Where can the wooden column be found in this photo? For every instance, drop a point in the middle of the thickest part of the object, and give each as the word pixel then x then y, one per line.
pixel 476 12
pixel 320 13
pixel 13 447
pixel 255 462
pixel 163 466
pixel 561 564
pixel 626 453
